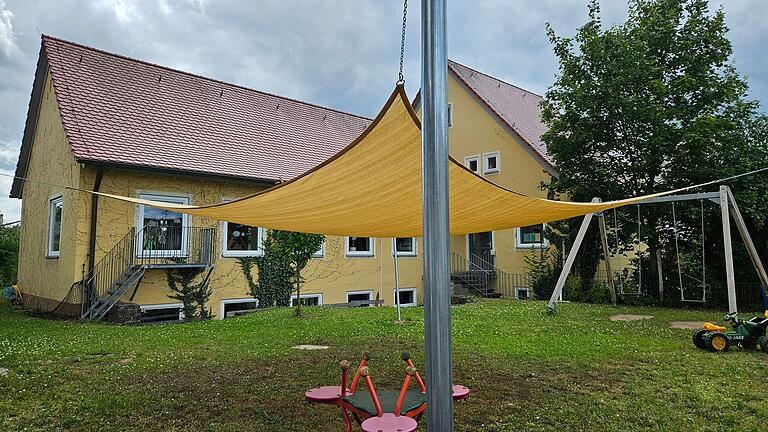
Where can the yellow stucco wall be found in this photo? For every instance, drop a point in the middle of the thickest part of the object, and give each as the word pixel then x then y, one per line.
pixel 45 280
pixel 475 131
pixel 332 275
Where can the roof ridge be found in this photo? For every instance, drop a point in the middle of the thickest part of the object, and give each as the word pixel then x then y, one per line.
pixel 45 37
pixel 495 78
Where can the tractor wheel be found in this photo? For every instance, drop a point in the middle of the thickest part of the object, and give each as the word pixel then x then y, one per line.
pixel 698 338
pixel 717 342
pixel 764 344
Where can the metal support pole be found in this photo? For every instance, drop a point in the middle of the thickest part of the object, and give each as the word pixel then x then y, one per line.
pixel 557 294
pixel 729 272
pixel 747 239
pixel 435 216
pixel 661 276
pixel 397 278
pixel 606 257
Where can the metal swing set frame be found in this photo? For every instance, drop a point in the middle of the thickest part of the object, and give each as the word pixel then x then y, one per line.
pixel 728 210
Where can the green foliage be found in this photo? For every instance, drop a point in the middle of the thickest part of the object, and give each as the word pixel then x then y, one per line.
pixel 296 249
pixel 544 267
pixel 285 254
pixel 193 296
pixel 650 105
pixel 274 286
pixel 9 255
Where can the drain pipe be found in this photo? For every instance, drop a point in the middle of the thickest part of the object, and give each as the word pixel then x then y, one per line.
pixel 92 234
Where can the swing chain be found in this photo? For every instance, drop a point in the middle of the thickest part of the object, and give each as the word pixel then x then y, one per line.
pixel 401 78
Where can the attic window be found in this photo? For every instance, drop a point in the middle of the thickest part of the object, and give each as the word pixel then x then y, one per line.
pixel 473 163
pixel 491 163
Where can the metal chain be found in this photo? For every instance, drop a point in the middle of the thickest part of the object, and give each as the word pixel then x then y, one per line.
pixel 401 79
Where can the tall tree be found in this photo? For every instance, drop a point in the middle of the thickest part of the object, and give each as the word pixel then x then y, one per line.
pixel 649 105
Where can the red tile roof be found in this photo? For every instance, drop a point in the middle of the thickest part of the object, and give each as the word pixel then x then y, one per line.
pixel 516 107
pixel 122 111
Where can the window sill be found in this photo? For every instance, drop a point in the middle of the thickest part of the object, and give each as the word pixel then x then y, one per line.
pixel 359 255
pixel 532 246
pixel 406 254
pixel 240 255
pixel 52 257
pixel 491 172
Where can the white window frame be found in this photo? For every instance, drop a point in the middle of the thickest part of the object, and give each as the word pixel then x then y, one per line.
pixel 365 254
pixel 394 297
pixel 320 252
pixel 527 292
pixel 450 114
pixel 52 202
pixel 485 162
pixel 369 292
pixel 318 296
pixel 146 307
pixel 412 253
pixel 168 197
pixel 226 253
pixel 234 301
pixel 519 240
pixel 476 158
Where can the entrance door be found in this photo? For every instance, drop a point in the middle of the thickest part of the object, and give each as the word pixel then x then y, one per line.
pixel 480 247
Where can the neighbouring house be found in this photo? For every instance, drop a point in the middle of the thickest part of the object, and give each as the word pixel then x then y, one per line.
pixel 101 121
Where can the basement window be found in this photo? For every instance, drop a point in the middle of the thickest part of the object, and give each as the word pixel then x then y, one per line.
pixel 359 246
pixel 406 246
pixel 407 296
pixel 521 293
pixel 473 163
pixel 55 211
pixel 491 163
pixel 531 237
pixel 308 300
pixel 172 312
pixel 235 307
pixel 365 298
pixel 320 252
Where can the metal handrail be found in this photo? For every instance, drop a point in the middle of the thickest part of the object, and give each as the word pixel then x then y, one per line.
pixel 151 246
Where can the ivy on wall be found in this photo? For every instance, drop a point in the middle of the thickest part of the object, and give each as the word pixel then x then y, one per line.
pixel 193 296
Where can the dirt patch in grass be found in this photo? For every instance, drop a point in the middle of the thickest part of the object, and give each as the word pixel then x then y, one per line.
pixel 686 325
pixel 630 317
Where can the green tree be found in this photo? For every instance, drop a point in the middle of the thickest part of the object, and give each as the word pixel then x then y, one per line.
pixel 297 249
pixel 285 254
pixel 9 255
pixel 649 105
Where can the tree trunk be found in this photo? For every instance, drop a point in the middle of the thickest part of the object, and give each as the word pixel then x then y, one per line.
pixel 298 293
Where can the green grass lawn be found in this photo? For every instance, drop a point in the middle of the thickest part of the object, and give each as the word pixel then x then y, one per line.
pixel 529 371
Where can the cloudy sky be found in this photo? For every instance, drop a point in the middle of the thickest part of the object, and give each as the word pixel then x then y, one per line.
pixel 339 53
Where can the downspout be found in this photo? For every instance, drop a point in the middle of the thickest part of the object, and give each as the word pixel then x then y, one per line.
pixel 94 217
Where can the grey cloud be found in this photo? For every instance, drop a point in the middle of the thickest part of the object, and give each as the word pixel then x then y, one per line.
pixel 338 53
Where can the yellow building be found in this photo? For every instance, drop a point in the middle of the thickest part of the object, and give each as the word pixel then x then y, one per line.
pixel 100 121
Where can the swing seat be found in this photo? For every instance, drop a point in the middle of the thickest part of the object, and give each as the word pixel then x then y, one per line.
pixel 388 399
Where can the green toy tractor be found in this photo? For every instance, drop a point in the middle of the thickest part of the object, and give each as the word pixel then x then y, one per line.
pixel 746 334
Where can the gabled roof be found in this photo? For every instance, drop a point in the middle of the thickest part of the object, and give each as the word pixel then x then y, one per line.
pixel 125 112
pixel 515 107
